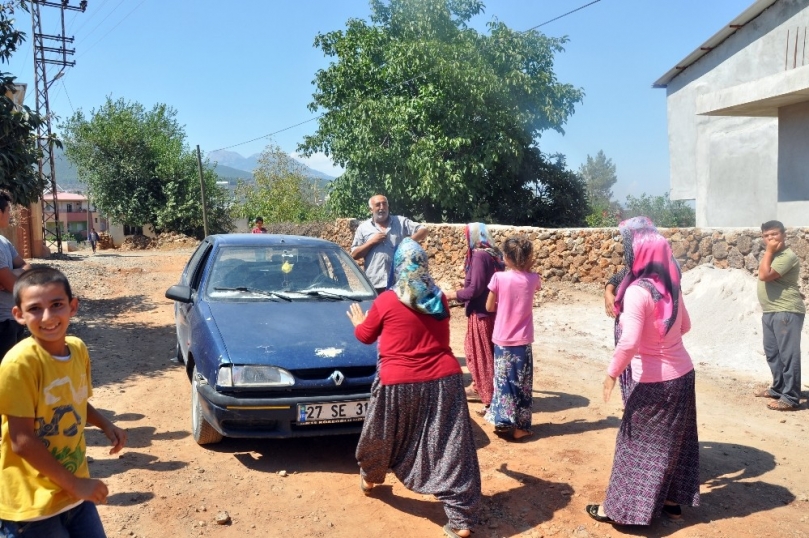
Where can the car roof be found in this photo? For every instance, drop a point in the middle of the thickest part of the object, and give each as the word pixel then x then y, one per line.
pixel 268 240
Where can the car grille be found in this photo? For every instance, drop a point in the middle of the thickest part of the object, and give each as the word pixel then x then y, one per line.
pixel 316 374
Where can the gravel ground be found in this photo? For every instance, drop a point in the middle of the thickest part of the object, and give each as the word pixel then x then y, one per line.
pixel 89 274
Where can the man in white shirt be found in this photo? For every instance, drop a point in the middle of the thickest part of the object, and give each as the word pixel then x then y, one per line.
pixel 11 267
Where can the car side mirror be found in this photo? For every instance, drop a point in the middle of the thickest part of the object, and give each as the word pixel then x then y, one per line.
pixel 179 293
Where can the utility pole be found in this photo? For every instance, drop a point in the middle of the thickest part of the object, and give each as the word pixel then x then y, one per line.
pixel 45 55
pixel 202 193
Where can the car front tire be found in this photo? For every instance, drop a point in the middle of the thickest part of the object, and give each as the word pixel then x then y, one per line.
pixel 203 432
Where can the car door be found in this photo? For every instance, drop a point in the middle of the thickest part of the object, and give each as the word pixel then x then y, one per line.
pixel 191 277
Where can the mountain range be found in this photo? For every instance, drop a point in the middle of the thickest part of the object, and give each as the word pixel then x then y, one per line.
pixel 229 166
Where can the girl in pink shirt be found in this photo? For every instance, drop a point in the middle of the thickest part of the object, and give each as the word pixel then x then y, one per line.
pixel 511 294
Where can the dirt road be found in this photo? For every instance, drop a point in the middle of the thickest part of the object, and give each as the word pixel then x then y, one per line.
pixel 754 468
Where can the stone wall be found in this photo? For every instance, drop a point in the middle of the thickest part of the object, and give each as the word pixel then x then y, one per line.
pixel 593 254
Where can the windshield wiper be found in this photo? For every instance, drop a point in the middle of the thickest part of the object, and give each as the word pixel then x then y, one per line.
pixel 328 295
pixel 245 289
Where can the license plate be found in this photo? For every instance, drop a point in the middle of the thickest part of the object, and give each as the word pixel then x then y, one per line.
pixel 321 413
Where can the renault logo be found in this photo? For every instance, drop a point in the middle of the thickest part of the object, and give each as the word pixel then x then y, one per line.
pixel 337 377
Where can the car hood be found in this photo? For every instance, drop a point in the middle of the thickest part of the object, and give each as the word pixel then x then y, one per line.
pixel 296 335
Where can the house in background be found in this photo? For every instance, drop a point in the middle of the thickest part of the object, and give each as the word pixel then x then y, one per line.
pixel 738 119
pixel 76 216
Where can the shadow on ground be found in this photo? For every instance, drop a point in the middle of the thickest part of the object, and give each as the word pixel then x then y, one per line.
pixel 726 470
pixel 531 502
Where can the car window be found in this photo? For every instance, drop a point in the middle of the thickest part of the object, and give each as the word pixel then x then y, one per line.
pixel 193 262
pixel 239 272
pixel 196 274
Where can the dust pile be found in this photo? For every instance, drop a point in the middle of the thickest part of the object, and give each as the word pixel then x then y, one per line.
pixel 726 321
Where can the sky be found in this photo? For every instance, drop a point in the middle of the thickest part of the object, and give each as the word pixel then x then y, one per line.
pixel 237 71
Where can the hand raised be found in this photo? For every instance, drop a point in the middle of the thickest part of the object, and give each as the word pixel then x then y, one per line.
pixel 355 314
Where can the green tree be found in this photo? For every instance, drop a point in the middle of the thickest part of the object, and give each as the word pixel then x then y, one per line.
pixel 599 175
pixel 139 169
pixel 18 125
pixel 433 114
pixel 543 193
pixel 664 212
pixel 603 214
pixel 282 191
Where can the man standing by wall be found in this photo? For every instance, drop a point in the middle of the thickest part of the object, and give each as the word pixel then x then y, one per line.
pixel 376 240
pixel 784 311
pixel 11 267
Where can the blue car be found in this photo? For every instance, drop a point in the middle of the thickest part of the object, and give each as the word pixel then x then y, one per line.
pixel 263 333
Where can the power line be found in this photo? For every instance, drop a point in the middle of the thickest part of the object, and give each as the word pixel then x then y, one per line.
pixel 563 15
pixel 102 20
pixel 271 134
pixel 403 82
pixel 94 12
pixel 68 97
pixel 113 28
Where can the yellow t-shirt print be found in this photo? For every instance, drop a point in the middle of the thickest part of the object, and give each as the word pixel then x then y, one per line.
pixel 54 393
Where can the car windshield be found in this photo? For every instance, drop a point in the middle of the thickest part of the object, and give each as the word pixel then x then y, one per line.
pixel 282 272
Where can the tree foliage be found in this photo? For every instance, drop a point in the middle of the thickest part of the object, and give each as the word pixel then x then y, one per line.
pixel 604 214
pixel 599 175
pixel 139 169
pixel 665 213
pixel 434 114
pixel 18 125
pixel 542 193
pixel 282 192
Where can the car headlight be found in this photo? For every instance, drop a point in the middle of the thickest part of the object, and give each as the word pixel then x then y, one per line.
pixel 233 375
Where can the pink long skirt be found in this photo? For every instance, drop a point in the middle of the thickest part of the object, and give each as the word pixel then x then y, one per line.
pixel 479 352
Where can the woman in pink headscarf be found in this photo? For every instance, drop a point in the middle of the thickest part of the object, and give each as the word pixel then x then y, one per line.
pixel 656 465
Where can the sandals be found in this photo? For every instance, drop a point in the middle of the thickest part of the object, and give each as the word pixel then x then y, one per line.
pixel 592 511
pixel 764 393
pixel 781 405
pixel 673 511
pixel 450 532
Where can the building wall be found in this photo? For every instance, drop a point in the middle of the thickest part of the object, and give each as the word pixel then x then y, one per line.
pixel 793 153
pixel 729 164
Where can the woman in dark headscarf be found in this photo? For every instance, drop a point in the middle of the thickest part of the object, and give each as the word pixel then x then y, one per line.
pixel 628 229
pixel 482 261
pixel 656 465
pixel 418 422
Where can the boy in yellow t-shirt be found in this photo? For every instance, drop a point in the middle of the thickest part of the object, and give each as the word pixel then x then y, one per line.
pixel 45 486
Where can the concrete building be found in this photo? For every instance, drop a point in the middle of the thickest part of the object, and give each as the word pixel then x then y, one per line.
pixel 76 216
pixel 738 119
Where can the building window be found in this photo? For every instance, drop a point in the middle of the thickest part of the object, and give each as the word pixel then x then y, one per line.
pixel 133 230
